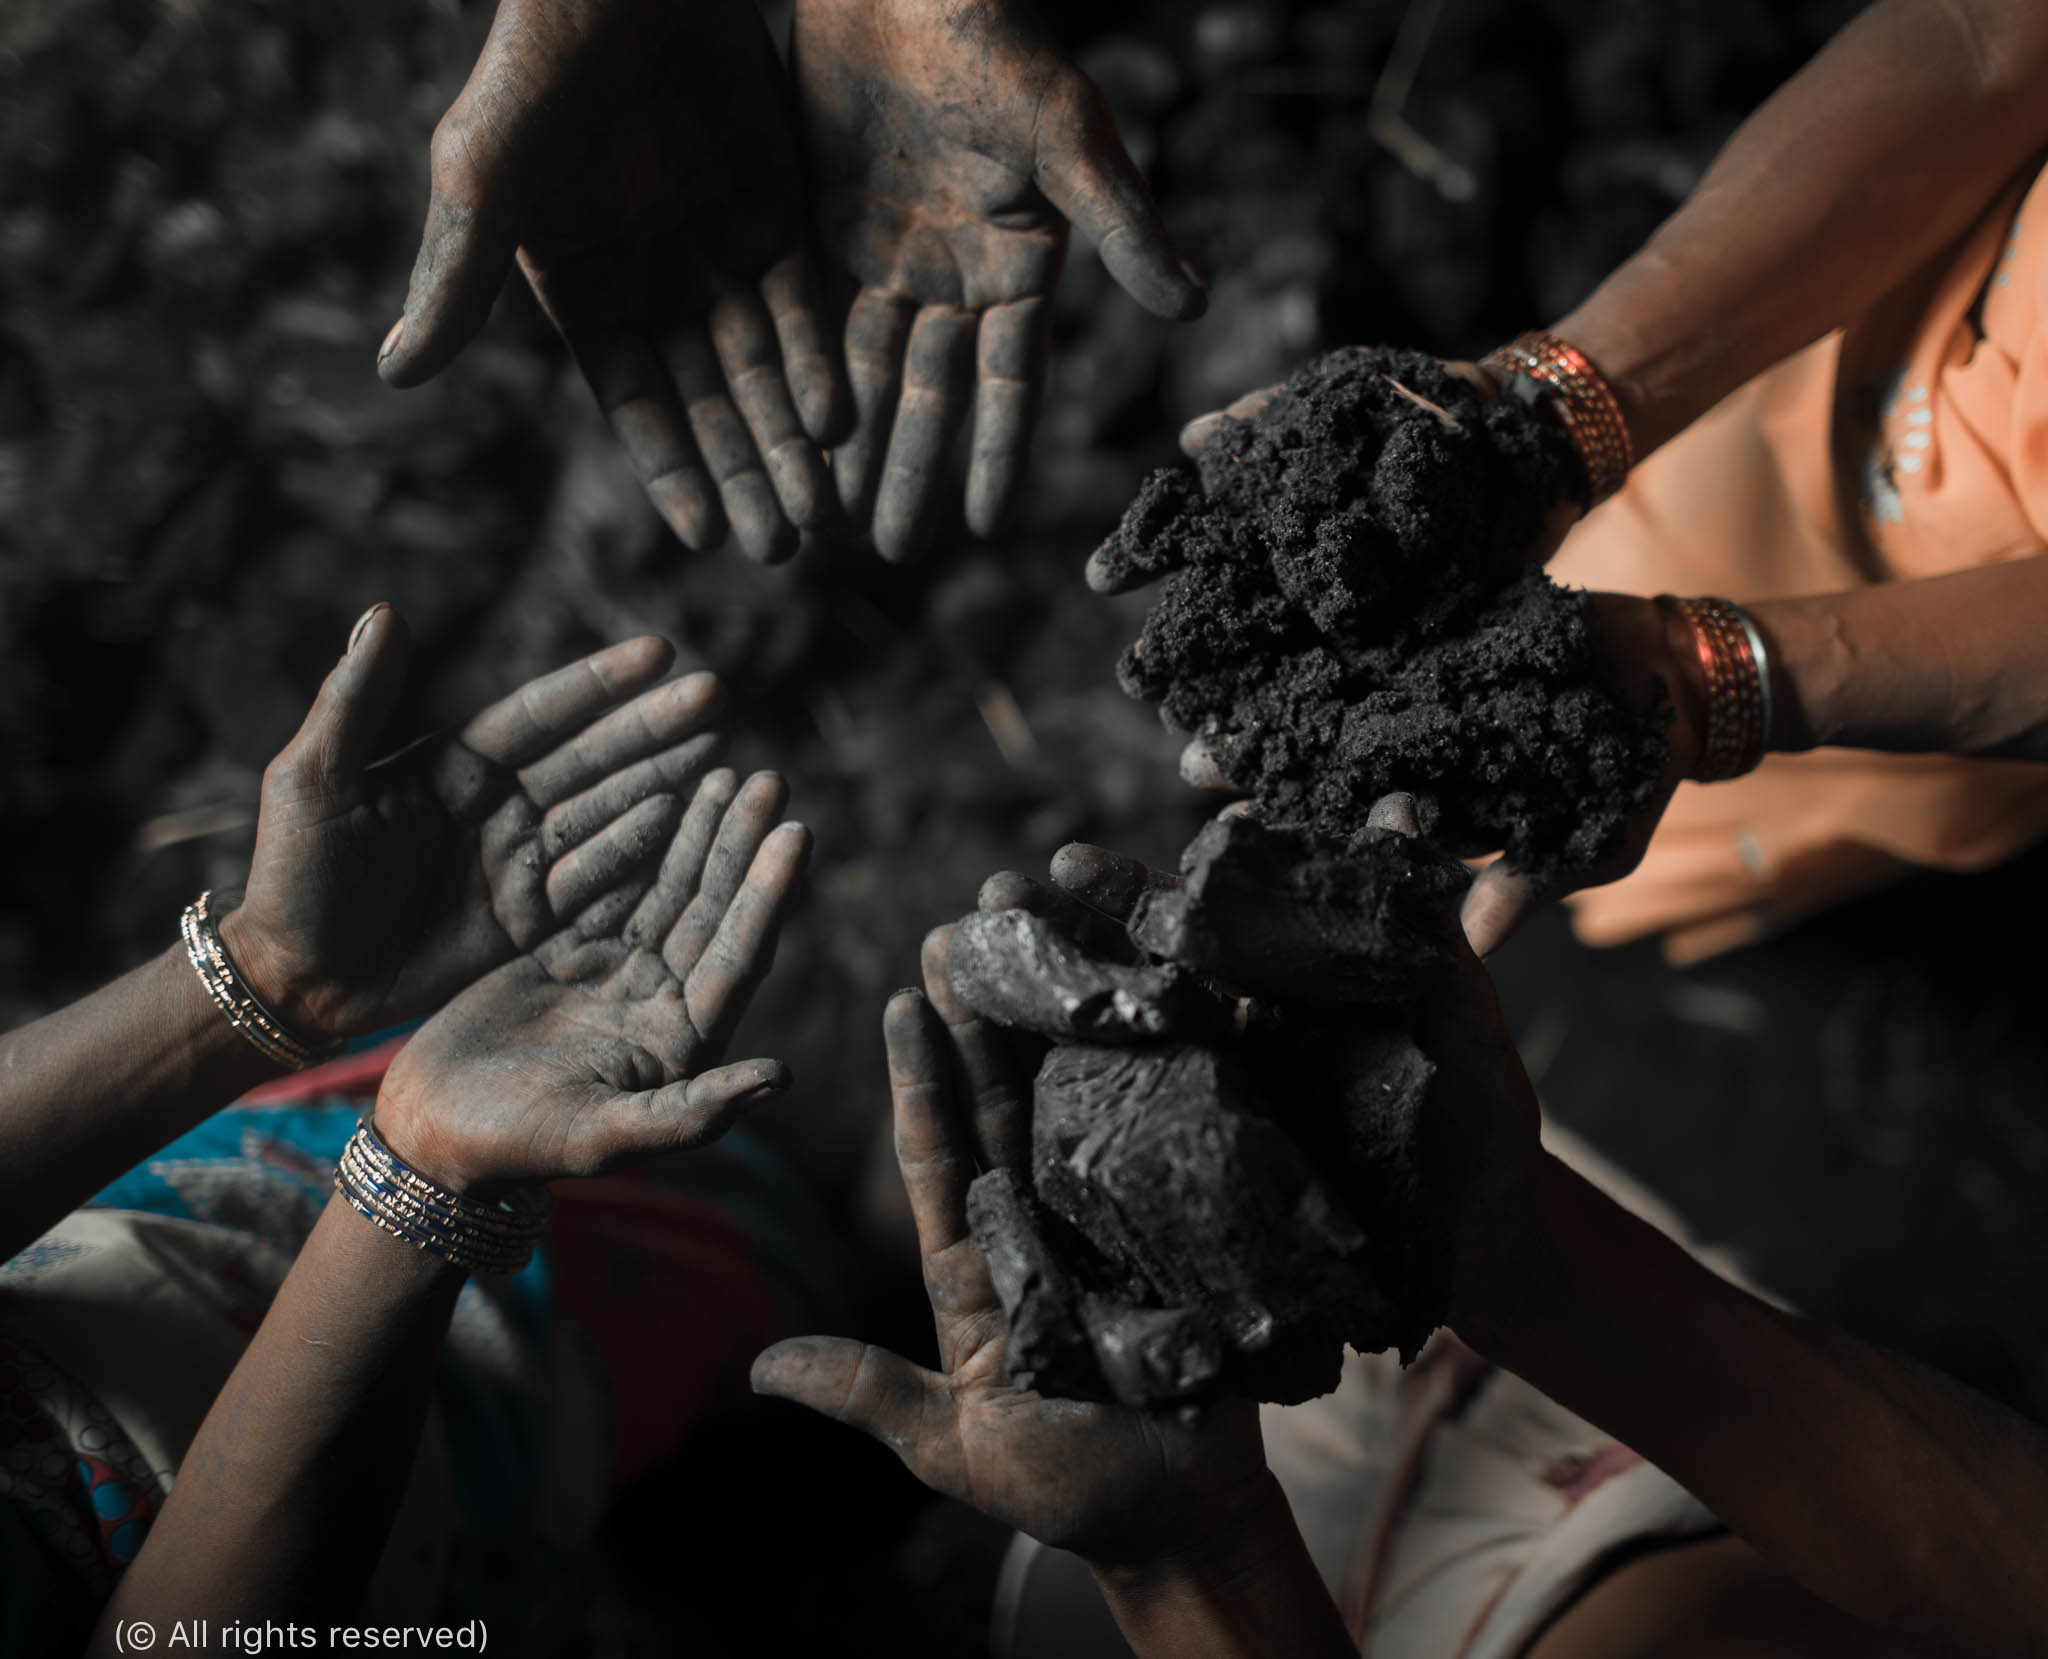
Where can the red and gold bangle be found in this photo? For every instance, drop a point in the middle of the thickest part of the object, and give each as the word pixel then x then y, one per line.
pixel 1737 674
pixel 1584 402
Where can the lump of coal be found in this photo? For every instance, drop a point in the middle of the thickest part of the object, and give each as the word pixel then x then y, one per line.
pixel 1376 1139
pixel 1048 1346
pixel 1155 1157
pixel 1151 1354
pixel 1017 969
pixel 1269 914
pixel 1350 615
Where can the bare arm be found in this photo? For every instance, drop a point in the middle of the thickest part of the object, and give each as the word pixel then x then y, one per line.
pixel 1852 175
pixel 1249 1592
pixel 283 1502
pixel 1891 1492
pixel 1953 664
pixel 92 1089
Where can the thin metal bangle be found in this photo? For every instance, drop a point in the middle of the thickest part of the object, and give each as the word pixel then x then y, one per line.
pixel 1768 704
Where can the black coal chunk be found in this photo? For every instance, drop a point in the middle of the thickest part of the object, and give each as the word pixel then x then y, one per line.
pixel 1351 615
pixel 1268 913
pixel 1048 1346
pixel 1155 1157
pixel 1375 1142
pixel 1020 970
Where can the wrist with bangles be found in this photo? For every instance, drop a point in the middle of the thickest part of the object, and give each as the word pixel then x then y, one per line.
pixel 1734 665
pixel 1581 399
pixel 230 992
pixel 417 1210
pixel 1735 675
pixel 377 1184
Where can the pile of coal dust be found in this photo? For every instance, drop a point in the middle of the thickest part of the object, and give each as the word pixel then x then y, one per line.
pixel 1350 612
pixel 1232 1173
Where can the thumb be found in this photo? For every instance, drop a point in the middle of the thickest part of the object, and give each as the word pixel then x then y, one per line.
pixel 339 735
pixel 866 1388
pixel 1499 901
pixel 475 214
pixel 1085 172
pixel 680 1115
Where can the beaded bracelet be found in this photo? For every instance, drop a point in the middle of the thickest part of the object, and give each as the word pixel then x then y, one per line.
pixel 1738 676
pixel 478 1238
pixel 231 994
pixel 1584 402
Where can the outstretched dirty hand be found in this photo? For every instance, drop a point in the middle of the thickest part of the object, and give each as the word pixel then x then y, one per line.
pixel 603 1045
pixel 951 146
pixel 640 158
pixel 1116 1485
pixel 380 888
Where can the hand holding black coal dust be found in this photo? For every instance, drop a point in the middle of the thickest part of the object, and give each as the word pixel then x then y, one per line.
pixel 1349 607
pixel 602 1044
pixel 377 891
pixel 1658 667
pixel 951 146
pixel 1111 1483
pixel 641 157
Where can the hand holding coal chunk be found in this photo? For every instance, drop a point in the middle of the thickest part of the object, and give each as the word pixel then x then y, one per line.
pixel 1230 1174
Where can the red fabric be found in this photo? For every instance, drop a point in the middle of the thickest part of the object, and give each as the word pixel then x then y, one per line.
pixel 355 1076
pixel 667 1289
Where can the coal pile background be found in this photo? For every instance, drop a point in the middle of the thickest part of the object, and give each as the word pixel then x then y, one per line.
pixel 207 212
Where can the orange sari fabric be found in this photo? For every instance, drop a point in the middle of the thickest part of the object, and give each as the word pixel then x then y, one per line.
pixel 1911 444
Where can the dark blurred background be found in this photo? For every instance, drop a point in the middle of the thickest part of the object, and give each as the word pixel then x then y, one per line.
pixel 208 209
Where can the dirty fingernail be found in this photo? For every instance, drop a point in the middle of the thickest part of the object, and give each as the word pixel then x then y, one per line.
pixel 1193 272
pixel 391 340
pixel 363 624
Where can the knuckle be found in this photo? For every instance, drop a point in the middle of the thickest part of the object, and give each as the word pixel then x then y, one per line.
pixel 450 152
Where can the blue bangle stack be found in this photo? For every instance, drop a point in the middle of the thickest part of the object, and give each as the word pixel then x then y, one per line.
pixel 479 1238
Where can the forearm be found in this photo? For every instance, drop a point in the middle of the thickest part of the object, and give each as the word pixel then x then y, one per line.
pixel 89 1091
pixel 284 1500
pixel 1953 664
pixel 1844 183
pixel 1249 1592
pixel 1891 1492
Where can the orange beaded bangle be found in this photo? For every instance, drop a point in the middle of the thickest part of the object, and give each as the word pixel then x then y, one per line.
pixel 1738 686
pixel 1585 404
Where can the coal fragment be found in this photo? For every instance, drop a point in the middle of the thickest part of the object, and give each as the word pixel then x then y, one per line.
pixel 1375 1141
pixel 1048 1348
pixel 1270 913
pixel 1021 970
pixel 1154 1156
pixel 1148 1356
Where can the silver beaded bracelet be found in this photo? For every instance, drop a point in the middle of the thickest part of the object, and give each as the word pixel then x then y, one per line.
pixel 479 1238
pixel 233 997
